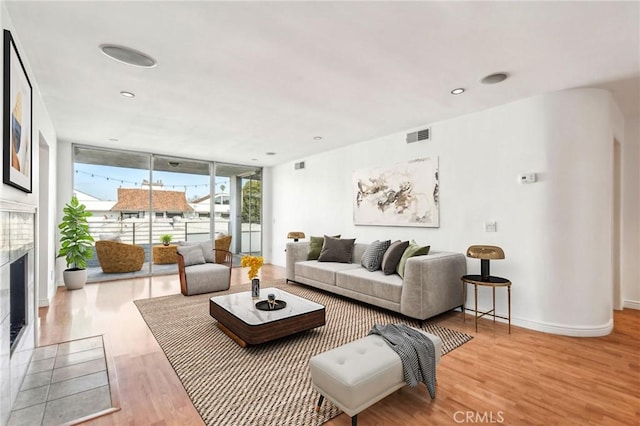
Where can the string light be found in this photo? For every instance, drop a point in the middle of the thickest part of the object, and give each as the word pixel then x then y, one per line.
pixel 122 181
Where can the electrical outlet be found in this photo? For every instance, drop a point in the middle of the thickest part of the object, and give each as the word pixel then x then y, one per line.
pixel 490 227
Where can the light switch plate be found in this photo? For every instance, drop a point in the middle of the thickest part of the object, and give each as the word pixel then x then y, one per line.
pixel 491 227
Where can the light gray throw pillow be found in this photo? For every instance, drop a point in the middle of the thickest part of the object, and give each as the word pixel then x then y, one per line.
pixel 207 251
pixel 192 254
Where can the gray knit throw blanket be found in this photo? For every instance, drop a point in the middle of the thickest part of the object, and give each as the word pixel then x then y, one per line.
pixel 416 352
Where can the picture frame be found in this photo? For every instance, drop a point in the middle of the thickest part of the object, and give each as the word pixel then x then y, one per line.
pixel 405 194
pixel 17 120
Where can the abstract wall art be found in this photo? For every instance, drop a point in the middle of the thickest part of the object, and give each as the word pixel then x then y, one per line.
pixel 405 194
pixel 17 119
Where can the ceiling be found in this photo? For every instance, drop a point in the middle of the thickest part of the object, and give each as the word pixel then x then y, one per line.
pixel 236 80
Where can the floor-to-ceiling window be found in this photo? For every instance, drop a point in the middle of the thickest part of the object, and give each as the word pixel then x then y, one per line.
pixel 138 198
pixel 239 192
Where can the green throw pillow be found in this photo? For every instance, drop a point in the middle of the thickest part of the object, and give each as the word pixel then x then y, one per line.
pixel 413 250
pixel 315 247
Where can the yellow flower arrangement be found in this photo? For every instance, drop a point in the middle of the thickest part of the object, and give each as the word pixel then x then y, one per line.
pixel 254 263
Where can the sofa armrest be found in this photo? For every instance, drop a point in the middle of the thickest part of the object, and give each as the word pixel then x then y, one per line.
pixel 296 252
pixel 432 284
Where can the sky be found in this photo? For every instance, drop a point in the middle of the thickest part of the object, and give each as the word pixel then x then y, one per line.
pixel 102 182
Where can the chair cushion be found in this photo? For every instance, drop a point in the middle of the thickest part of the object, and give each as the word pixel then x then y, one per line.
pixel 207 251
pixel 192 254
pixel 206 278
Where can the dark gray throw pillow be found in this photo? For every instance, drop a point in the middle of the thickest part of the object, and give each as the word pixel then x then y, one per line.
pixel 336 250
pixel 372 257
pixel 192 254
pixel 392 256
pixel 315 247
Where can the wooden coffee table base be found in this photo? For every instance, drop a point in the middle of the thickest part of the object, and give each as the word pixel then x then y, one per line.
pixel 229 333
pixel 254 334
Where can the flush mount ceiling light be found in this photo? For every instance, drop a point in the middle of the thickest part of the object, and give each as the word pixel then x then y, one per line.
pixel 127 94
pixel 457 91
pixel 127 55
pixel 495 78
pixel 270 153
pixel 317 138
pixel 173 164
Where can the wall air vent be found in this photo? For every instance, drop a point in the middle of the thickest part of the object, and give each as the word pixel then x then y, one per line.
pixel 420 135
pixel 299 165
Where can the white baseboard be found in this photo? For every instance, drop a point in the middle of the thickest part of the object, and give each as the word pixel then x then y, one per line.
pixel 561 329
pixel 43 303
pixel 631 304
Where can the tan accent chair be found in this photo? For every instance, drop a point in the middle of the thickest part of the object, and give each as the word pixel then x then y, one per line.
pixel 222 244
pixel 205 277
pixel 116 257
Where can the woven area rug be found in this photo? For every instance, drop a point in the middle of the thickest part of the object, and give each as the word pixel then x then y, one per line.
pixel 267 384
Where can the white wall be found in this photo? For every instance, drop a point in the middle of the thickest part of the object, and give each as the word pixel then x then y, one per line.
pixel 13 368
pixel 630 244
pixel 556 233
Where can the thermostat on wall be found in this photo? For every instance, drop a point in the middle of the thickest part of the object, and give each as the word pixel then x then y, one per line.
pixel 527 178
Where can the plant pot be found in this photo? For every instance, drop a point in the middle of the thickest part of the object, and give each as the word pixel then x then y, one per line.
pixel 74 279
pixel 165 244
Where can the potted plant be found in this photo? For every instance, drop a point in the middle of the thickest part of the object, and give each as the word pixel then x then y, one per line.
pixel 165 239
pixel 75 243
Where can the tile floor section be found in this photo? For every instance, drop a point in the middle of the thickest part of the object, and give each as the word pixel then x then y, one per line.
pixel 64 382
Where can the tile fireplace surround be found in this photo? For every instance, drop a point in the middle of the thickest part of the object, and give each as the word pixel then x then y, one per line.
pixel 17 223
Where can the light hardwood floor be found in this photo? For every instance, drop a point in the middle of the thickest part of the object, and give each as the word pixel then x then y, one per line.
pixel 526 378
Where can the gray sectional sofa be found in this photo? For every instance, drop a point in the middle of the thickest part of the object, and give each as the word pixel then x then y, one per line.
pixel 431 283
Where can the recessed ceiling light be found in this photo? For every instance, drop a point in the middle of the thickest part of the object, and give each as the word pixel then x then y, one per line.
pixel 457 91
pixel 127 94
pixel 127 55
pixel 495 78
pixel 270 153
pixel 317 138
pixel 113 139
pixel 254 159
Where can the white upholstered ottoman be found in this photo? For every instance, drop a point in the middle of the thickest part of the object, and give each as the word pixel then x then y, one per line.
pixel 360 373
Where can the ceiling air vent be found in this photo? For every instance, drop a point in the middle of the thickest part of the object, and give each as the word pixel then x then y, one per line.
pixel 299 165
pixel 420 135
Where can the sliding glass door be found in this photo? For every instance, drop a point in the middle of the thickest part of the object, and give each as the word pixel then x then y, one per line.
pixel 137 198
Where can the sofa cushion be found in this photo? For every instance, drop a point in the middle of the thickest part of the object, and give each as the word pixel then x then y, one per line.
pixel 315 247
pixel 324 272
pixel 192 254
pixel 336 250
pixel 392 256
pixel 413 250
pixel 372 257
pixel 376 284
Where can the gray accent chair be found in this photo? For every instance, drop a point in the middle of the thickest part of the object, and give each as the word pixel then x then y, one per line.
pixel 205 277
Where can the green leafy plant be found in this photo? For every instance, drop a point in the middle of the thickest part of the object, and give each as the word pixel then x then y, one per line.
pixel 166 239
pixel 75 240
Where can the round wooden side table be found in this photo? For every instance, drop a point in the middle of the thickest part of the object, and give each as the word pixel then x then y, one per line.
pixel 493 282
pixel 163 255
